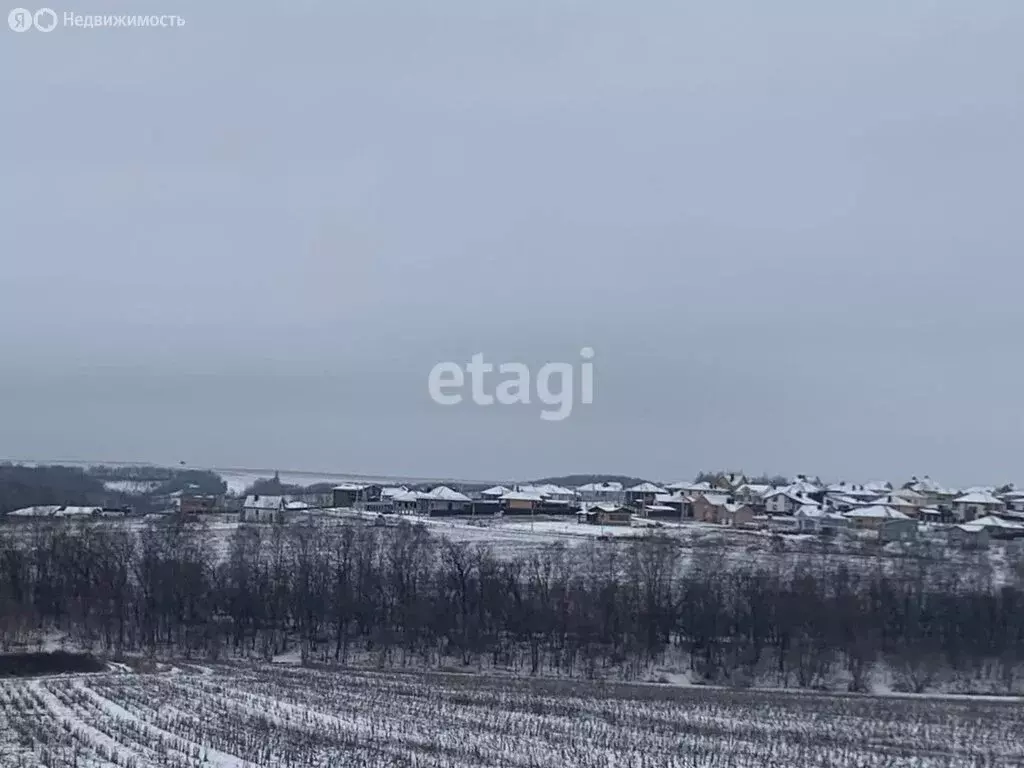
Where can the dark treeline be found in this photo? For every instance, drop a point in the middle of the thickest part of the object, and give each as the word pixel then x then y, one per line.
pixel 573 481
pixel 22 486
pixel 399 596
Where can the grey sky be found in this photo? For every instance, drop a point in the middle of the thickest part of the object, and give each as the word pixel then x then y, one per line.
pixel 791 231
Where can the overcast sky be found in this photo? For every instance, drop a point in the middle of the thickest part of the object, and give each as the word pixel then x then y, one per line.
pixel 792 232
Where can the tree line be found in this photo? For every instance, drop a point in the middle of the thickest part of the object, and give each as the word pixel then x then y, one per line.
pixel 397 595
pixel 23 486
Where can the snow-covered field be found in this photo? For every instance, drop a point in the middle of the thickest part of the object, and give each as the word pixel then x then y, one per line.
pixel 137 487
pixel 239 480
pixel 236 717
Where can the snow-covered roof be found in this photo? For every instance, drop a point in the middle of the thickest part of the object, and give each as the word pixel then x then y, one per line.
pixel 790 492
pixel 876 512
pixel 444 493
pixel 909 494
pixel 561 490
pixel 670 498
pixel 892 500
pixel 547 489
pixel 605 507
pixel 349 487
pixel 407 496
pixel 848 501
pixel 597 487
pixel 816 512
pixel 717 499
pixel 686 485
pixel 853 490
pixel 803 486
pixel 256 501
pixel 521 496
pixel 926 485
pixel 809 510
pixel 646 488
pixel 77 511
pixel 661 508
pixel 757 489
pixel 497 490
pixel 55 510
pixel 997 522
pixel 978 497
pixel 297 505
pixel 390 493
pixel 970 527
pixel 39 511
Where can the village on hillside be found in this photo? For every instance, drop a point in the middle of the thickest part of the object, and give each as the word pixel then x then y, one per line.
pixel 967 517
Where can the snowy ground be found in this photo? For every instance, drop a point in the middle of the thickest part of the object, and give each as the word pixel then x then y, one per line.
pixel 237 717
pixel 137 487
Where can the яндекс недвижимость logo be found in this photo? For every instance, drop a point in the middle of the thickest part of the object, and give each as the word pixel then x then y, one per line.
pixel 47 19
pixel 22 19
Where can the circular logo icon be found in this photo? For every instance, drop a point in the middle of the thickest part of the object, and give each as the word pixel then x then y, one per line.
pixel 20 19
pixel 45 20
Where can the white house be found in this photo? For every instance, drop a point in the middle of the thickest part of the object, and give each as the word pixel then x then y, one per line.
pixel 999 525
pixel 802 486
pixel 915 498
pixel 643 493
pixel 1014 501
pixel 406 503
pixel 874 516
pixel 752 493
pixel 904 505
pixel 495 492
pixel 814 519
pixel 601 493
pixel 263 509
pixel 976 503
pixel 444 501
pixel 550 492
pixel 784 501
pixel 690 488
pixel 858 493
pixel 521 501
pixel 880 487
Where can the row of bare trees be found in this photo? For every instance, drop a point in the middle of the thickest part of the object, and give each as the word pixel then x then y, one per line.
pixel 399 595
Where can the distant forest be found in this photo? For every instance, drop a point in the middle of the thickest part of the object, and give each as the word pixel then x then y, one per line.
pixel 22 486
pixel 400 596
pixel 573 481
